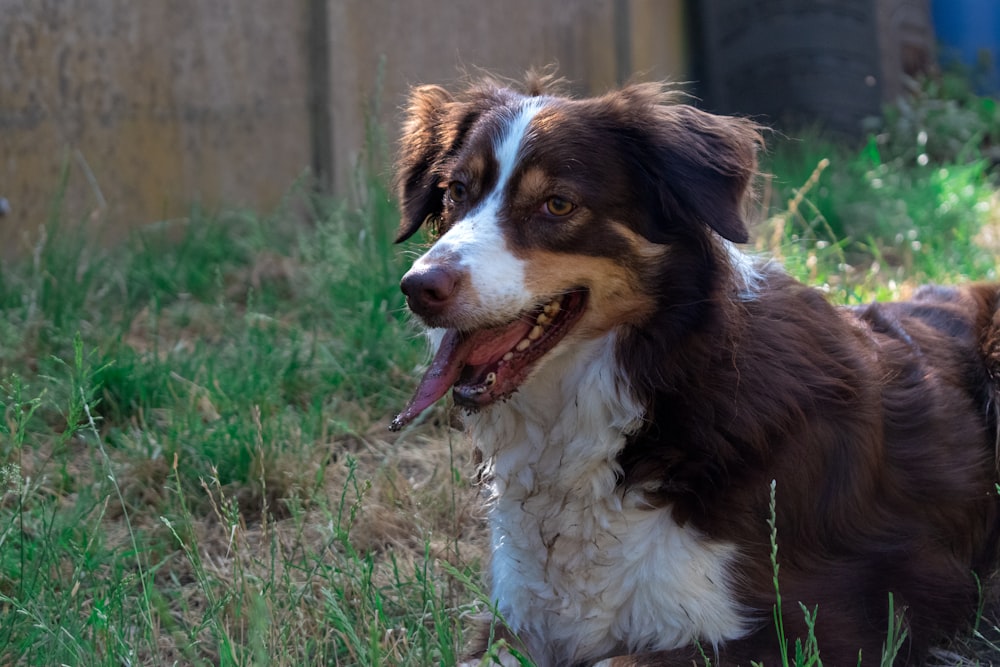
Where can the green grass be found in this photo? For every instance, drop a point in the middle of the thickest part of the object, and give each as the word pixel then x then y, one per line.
pixel 195 466
pixel 192 449
pixel 915 202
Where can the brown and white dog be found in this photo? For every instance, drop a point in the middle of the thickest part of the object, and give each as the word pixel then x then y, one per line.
pixel 635 383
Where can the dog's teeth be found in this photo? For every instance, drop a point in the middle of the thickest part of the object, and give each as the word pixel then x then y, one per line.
pixel 523 345
pixel 508 356
pixel 551 308
pixel 491 379
pixel 536 332
pixel 543 319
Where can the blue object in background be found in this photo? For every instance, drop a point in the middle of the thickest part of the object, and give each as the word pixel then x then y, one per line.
pixel 968 31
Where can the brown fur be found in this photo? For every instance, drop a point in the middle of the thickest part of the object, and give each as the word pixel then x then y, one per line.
pixel 875 424
pixel 878 424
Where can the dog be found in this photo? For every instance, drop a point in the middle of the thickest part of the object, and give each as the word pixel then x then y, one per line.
pixel 640 390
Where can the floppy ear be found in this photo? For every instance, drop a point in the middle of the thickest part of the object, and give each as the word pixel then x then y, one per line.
pixel 421 148
pixel 704 162
pixel 436 127
pixel 709 161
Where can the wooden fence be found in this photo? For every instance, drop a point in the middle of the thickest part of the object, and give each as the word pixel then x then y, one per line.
pixel 133 111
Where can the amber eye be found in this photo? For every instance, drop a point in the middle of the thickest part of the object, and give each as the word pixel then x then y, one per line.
pixel 457 192
pixel 558 207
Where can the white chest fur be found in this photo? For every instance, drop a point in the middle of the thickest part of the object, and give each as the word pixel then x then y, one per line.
pixel 579 569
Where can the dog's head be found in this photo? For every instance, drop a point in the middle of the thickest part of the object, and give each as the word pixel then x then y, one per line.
pixel 550 214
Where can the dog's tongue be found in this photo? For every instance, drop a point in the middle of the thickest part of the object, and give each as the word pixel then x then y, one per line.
pixel 442 374
pixel 456 351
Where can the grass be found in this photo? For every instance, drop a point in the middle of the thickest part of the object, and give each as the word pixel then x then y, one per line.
pixel 193 453
pixel 195 466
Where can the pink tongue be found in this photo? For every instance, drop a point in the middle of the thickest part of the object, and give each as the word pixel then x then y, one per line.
pixel 454 353
pixel 491 344
pixel 442 374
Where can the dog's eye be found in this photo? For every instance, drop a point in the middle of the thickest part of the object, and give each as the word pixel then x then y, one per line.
pixel 558 207
pixel 457 192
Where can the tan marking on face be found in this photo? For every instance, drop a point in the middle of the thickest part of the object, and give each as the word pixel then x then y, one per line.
pixel 615 297
pixel 476 171
pixel 650 252
pixel 535 184
pixel 616 284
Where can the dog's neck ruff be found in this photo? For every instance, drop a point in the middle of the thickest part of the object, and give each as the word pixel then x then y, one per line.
pixel 581 567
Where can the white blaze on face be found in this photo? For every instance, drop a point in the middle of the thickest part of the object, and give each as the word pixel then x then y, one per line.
pixel 476 242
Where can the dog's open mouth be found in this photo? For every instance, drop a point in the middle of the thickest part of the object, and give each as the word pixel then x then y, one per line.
pixel 486 365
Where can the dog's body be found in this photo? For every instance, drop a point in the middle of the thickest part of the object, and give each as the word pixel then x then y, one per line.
pixel 636 385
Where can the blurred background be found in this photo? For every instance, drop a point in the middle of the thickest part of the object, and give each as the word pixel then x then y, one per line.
pixel 133 111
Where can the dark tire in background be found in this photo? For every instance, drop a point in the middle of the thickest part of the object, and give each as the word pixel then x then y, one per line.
pixel 791 63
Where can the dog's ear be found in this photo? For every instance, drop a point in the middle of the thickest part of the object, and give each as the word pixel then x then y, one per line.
pixel 704 162
pixel 709 162
pixel 436 127
pixel 421 148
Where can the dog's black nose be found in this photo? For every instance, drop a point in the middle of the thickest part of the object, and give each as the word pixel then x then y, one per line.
pixel 429 291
